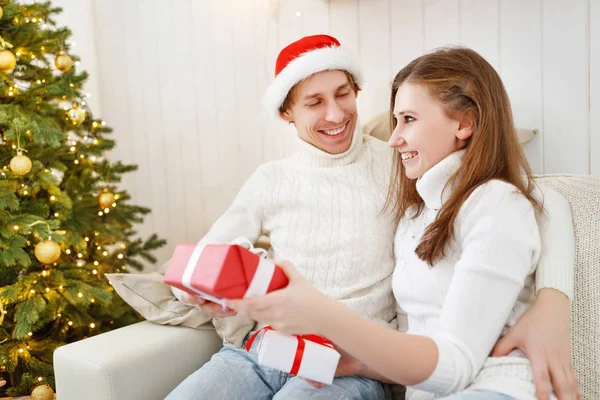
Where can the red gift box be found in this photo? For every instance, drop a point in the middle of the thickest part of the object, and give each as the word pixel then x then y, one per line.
pixel 222 271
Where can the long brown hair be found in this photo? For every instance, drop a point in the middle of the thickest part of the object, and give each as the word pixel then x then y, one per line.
pixel 465 84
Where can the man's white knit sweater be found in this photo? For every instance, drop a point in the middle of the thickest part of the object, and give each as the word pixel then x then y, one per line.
pixel 322 212
pixel 480 288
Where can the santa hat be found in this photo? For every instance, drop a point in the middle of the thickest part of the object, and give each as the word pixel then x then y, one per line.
pixel 303 58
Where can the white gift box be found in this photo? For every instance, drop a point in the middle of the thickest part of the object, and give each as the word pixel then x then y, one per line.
pixel 318 363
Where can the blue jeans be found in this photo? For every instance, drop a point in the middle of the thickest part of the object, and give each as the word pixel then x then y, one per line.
pixel 474 394
pixel 233 373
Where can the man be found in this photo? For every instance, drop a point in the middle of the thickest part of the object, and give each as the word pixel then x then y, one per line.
pixel 321 208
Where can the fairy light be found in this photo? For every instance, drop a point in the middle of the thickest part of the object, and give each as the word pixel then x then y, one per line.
pixel 105 253
pixel 94 272
pixel 40 379
pixel 92 325
pixel 95 141
pixel 92 301
pixel 32 291
pixel 56 214
pixel 96 263
pixel 47 290
pixel 76 162
pixel 87 239
pixel 79 255
pixel 61 287
pixel 21 350
pixel 80 295
pixel 68 251
pixel 107 210
pixel 70 323
pixel 123 246
pixel 100 213
pixel 44 273
pixel 16 227
pixel 120 256
pixel 52 198
pixel 72 149
pixel 30 334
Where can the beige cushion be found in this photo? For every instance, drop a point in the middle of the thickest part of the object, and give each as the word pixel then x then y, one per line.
pixel 379 127
pixel 583 194
pixel 153 299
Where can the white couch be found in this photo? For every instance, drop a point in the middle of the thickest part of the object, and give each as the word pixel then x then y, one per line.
pixel 146 360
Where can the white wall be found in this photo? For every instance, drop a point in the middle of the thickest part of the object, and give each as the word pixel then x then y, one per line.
pixel 181 83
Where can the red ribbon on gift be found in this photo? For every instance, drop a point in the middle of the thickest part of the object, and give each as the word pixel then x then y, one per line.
pixel 299 350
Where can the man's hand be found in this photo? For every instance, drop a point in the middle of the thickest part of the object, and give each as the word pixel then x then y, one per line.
pixel 208 308
pixel 542 333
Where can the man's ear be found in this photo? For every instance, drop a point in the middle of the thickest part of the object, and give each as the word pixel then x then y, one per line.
pixel 287 115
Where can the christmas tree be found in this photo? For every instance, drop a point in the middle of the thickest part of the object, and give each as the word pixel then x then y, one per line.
pixel 63 222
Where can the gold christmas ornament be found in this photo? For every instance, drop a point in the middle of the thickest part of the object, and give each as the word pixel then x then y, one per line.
pixel 20 164
pixel 42 392
pixel 63 62
pixel 77 115
pixel 106 199
pixel 1 12
pixel 47 251
pixel 7 60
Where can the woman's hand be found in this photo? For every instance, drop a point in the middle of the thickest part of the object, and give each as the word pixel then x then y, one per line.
pixel 208 308
pixel 299 308
pixel 542 333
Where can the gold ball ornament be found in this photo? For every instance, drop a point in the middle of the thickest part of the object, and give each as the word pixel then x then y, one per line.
pixel 42 392
pixel 1 12
pixel 63 62
pixel 77 115
pixel 106 199
pixel 20 164
pixel 7 60
pixel 47 251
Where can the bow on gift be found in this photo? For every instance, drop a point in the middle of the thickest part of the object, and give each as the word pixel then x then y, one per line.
pixel 299 350
pixel 245 242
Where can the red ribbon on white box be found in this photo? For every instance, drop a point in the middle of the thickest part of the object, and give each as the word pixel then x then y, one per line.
pixel 299 350
pixel 258 285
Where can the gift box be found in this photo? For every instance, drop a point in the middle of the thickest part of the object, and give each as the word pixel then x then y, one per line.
pixel 222 271
pixel 308 356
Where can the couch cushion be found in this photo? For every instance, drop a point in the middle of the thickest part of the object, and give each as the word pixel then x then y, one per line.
pixel 583 195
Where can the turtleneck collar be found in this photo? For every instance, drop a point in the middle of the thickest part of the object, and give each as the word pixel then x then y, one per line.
pixel 431 186
pixel 315 157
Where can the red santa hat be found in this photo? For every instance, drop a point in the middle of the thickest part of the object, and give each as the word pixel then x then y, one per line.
pixel 303 58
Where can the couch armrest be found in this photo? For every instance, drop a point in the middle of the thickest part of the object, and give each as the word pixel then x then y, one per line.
pixel 140 361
